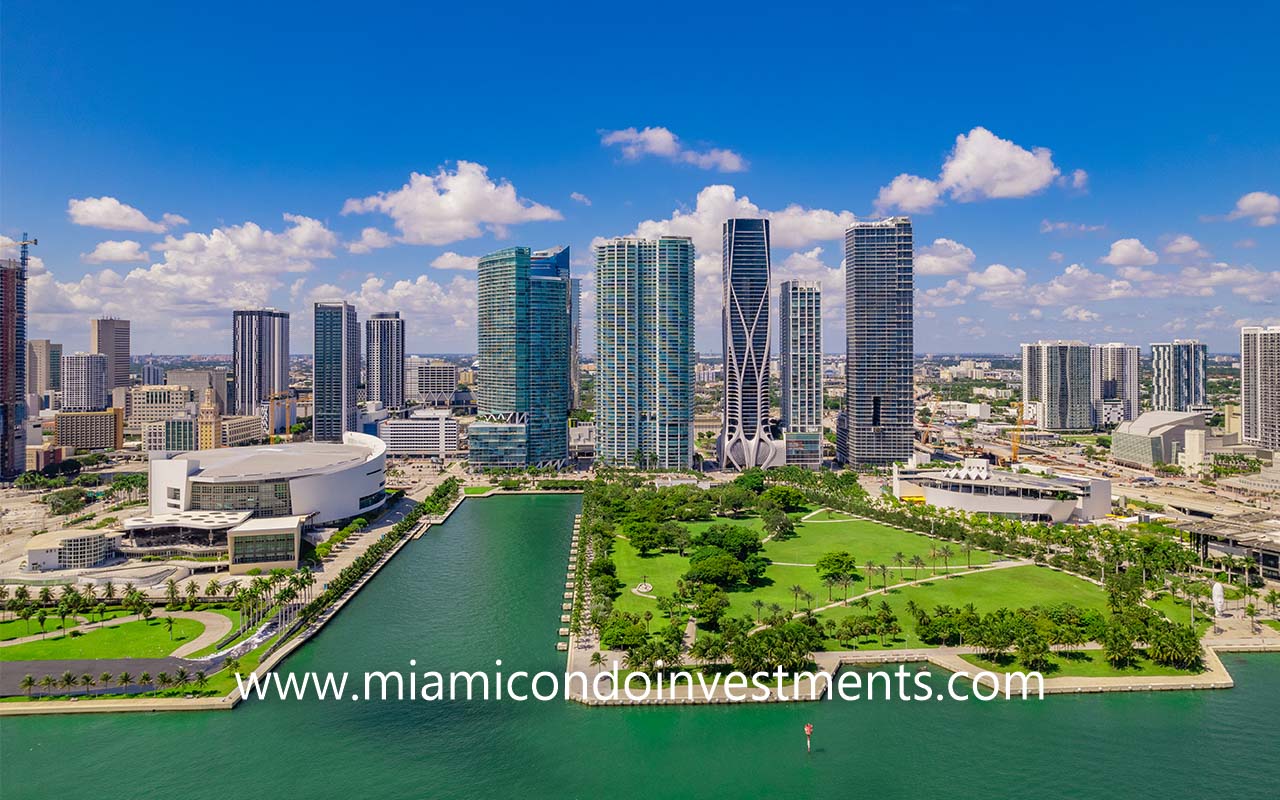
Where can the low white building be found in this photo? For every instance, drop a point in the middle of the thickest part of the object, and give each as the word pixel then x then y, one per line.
pixel 976 487
pixel 69 549
pixel 426 433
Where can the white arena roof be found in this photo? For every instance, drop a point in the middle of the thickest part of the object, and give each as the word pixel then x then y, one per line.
pixel 274 461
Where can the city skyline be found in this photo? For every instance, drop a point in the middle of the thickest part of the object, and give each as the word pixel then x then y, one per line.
pixel 1025 228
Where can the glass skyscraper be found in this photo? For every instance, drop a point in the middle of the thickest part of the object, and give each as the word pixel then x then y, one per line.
pixel 524 353
pixel 336 371
pixel 1057 385
pixel 259 356
pixel 1178 375
pixel 13 364
pixel 876 424
pixel 645 352
pixel 746 440
pixel 800 365
pixel 384 359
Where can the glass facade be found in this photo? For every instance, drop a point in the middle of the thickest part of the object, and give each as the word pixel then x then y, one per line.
pixel 800 355
pixel 645 352
pixel 1057 377
pixel 263 498
pixel 524 338
pixel 262 549
pixel 336 371
pixel 498 445
pixel 878 416
pixel 384 359
pixel 746 439
pixel 1178 375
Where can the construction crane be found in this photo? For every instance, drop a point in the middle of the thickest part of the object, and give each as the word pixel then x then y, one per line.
pixel 1016 436
pixel 23 251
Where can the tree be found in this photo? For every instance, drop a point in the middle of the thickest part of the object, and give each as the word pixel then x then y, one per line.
pixel 124 679
pixel 758 605
pixel 917 563
pixel 945 553
pixel 709 605
pixel 796 590
pixel 778 525
pixel 26 684
pixel 899 559
pixel 720 569
pixel 1033 651
pixel 644 537
pixel 836 563
pixel 783 498
pixel 168 625
pixel 597 660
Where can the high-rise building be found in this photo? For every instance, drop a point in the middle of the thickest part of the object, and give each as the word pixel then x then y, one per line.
pixel 110 337
pixel 1178 371
pixel 575 343
pixel 336 371
pixel 430 382
pixel 1260 386
pixel 84 382
pixel 152 374
pixel 259 358
pixel 1057 385
pixel 13 364
pixel 746 438
pixel 44 366
pixel 523 336
pixel 208 422
pixel 800 368
pixel 384 360
pixel 645 352
pixel 198 380
pixel 876 424
pixel 1115 382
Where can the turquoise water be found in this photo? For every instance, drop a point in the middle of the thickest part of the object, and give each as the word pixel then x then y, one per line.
pixel 486 585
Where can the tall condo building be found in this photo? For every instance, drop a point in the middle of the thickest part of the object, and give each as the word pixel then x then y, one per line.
pixel 259 358
pixel 44 366
pixel 1116 388
pixel 336 371
pixel 800 365
pixel 110 337
pixel 879 408
pixel 152 374
pixel 575 343
pixel 13 364
pixel 645 352
pixel 384 359
pixel 1057 385
pixel 746 438
pixel 1178 371
pixel 1260 386
pixel 84 382
pixel 523 337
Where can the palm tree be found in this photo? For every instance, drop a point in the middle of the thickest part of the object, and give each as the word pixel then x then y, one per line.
pixel 88 682
pixel 105 679
pixel 1251 611
pixel 168 624
pixel 945 554
pixel 124 679
pixel 883 569
pixel 109 591
pixel 47 683
pixel 171 591
pixel 899 558
pixel 163 680
pixel 796 591
pixel 830 582
pixel 193 591
pixel 808 600
pixel 40 618
pixel 758 605
pixel 25 612
pixel 967 546
pixel 597 660
pixel 144 679
pixel 648 617
pixel 916 563
pixel 200 680
pixel 27 684
pixel 933 557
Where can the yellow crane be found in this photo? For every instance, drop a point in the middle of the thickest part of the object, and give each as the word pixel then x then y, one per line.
pixel 1016 436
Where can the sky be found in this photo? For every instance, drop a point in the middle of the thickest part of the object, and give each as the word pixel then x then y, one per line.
pixel 1106 173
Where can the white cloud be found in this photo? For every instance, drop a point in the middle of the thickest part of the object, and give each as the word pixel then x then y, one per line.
pixel 451 260
pixel 434 312
pixel 909 193
pixel 1057 257
pixel 1261 208
pixel 579 197
pixel 1182 244
pixel 1064 227
pixel 952 293
pixel 451 206
pixel 1080 314
pixel 370 239
pixel 110 214
pixel 981 166
pixel 1077 284
pixel 1245 244
pixel 943 257
pixel 1129 253
pixel 190 292
pixel 1078 180
pixel 997 276
pixel 115 252
pixel 661 142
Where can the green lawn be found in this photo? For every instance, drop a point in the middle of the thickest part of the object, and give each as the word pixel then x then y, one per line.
pixel 1081 664
pixel 1272 623
pixel 1015 587
pixel 1177 610
pixel 866 540
pixel 138 639
pixel 15 628
pixel 477 489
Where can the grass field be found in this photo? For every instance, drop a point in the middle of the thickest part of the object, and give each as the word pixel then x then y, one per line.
pixel 477 489
pixel 867 541
pixel 1015 587
pixel 16 628
pixel 1081 664
pixel 1177 610
pixel 138 639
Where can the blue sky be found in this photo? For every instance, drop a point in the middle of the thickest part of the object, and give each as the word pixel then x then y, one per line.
pixel 1097 172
